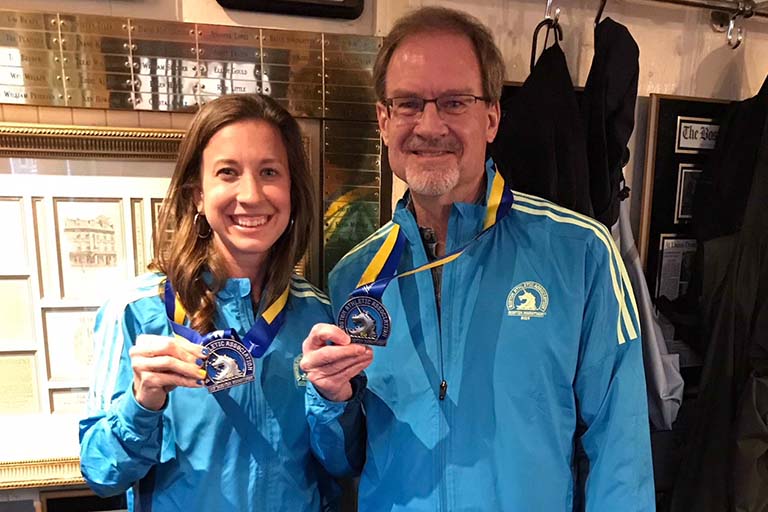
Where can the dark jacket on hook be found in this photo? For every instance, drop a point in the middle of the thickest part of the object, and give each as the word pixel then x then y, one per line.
pixel 540 148
pixel 608 113
pixel 725 464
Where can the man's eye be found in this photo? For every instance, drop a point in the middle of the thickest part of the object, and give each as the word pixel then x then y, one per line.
pixel 454 103
pixel 409 104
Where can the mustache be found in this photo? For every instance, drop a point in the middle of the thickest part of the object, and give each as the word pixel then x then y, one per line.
pixel 419 143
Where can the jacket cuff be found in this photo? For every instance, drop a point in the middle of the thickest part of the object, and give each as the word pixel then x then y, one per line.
pixel 317 401
pixel 138 421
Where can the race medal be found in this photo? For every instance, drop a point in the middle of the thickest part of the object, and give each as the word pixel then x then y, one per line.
pixel 229 362
pixel 231 359
pixel 366 320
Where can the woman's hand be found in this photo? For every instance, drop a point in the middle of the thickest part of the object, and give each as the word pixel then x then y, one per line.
pixel 330 367
pixel 160 363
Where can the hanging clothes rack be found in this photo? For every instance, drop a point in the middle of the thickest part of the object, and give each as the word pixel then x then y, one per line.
pixel 728 15
pixel 759 9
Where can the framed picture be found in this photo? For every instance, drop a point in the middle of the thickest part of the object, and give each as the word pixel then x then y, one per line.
pixel 16 313
pixel 694 134
pixel 13 257
pixel 46 268
pixel 69 343
pixel 345 9
pixel 676 255
pixel 139 237
pixel 18 387
pixel 68 400
pixel 77 498
pixel 687 177
pixel 90 241
pixel 157 206
pixel 682 132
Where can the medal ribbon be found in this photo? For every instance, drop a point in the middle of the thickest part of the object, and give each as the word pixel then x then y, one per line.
pixel 257 340
pixel 383 267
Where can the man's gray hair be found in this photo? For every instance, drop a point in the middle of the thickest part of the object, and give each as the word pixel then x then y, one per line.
pixel 440 19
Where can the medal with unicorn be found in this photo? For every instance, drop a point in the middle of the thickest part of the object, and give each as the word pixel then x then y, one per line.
pixel 231 359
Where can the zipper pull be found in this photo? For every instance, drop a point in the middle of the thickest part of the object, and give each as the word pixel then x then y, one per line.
pixel 443 389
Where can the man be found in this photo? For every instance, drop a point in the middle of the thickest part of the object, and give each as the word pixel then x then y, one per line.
pixel 500 360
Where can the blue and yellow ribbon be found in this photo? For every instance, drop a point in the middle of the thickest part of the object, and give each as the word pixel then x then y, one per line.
pixel 383 267
pixel 257 340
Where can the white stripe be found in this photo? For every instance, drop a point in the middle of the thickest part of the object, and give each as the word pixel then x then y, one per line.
pixel 580 220
pixel 109 345
pixel 614 251
pixel 309 294
pixel 301 284
pixel 381 232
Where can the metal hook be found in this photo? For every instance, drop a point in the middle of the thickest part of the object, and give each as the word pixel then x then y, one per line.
pixel 548 12
pixel 734 34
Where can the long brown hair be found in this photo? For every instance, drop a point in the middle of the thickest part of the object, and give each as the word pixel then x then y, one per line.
pixel 182 255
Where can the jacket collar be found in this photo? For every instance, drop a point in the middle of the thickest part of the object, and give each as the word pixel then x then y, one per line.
pixel 234 287
pixel 465 221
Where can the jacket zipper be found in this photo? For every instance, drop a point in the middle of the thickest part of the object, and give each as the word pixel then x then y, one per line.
pixel 442 418
pixel 443 387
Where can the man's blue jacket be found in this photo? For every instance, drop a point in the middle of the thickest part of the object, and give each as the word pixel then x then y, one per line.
pixel 538 342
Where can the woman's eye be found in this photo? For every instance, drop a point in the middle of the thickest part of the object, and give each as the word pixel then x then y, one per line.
pixel 269 172
pixel 226 171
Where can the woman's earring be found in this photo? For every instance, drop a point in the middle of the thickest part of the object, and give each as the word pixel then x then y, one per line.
pixel 202 227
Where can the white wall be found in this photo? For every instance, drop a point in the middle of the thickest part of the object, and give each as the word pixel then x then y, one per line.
pixel 679 51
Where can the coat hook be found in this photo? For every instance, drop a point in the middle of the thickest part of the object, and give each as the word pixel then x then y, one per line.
pixel 734 35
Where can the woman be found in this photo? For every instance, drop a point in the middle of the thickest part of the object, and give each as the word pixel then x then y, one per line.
pixel 236 220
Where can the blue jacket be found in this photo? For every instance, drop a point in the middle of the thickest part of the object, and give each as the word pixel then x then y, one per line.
pixel 537 340
pixel 245 448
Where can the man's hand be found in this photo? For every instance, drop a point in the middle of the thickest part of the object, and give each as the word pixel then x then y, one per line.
pixel 160 363
pixel 330 367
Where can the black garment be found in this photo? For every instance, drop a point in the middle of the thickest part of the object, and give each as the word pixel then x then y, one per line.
pixel 540 147
pixel 725 464
pixel 608 114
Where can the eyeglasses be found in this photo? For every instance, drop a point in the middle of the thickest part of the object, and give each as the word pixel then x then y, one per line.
pixel 413 106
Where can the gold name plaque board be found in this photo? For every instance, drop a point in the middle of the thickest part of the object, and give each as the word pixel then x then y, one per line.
pixel 109 62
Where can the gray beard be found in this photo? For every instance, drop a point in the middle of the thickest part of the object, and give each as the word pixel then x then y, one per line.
pixel 432 182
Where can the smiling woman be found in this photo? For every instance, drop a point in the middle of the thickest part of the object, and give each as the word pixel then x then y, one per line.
pixel 235 221
pixel 236 145
pixel 245 195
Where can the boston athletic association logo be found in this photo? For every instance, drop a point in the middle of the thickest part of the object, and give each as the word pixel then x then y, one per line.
pixel 528 300
pixel 229 362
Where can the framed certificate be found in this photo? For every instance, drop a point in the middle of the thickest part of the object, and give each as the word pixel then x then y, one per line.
pixel 18 387
pixel 69 343
pixel 68 400
pixel 16 313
